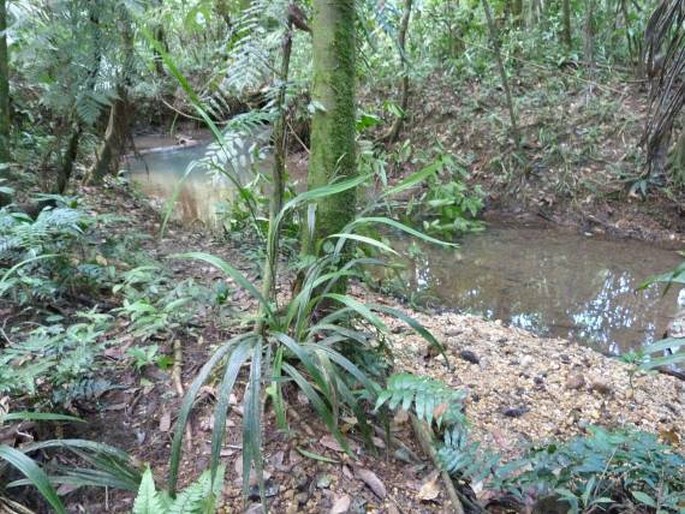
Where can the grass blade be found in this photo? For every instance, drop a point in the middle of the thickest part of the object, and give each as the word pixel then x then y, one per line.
pixel 232 272
pixel 34 474
pixel 235 362
pixel 252 426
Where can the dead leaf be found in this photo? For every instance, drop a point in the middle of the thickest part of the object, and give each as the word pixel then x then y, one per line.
pixel 329 442
pixel 373 482
pixel 439 410
pixel 429 490
pixel 341 504
pixel 670 436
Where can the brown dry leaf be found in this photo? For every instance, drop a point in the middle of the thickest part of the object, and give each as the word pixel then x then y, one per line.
pixel 671 436
pixel 328 441
pixel 440 409
pixel 373 482
pixel 341 504
pixel 165 422
pixel 429 490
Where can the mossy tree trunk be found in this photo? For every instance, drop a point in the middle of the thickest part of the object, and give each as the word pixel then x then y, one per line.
pixel 333 122
pixel 566 15
pixel 4 88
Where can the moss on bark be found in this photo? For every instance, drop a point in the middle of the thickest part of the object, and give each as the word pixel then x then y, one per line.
pixel 333 122
pixel 4 87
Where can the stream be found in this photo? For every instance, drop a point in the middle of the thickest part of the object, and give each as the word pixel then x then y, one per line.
pixel 548 280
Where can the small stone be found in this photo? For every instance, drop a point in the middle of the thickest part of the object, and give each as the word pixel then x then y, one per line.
pixel 575 381
pixel 515 412
pixel 469 356
pixel 373 482
pixel 601 386
pixel 341 505
pixel 324 481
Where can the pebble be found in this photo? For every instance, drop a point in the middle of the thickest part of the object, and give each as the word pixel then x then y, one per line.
pixel 469 356
pixel 575 381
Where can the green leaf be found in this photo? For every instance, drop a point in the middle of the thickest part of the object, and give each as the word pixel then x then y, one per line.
pixel 416 326
pixel 361 239
pixel 644 498
pixel 187 406
pixel 252 426
pixel 229 270
pixel 359 308
pixel 39 416
pixel 147 501
pixel 316 456
pixel 235 361
pixel 414 179
pixel 37 476
pixel 381 220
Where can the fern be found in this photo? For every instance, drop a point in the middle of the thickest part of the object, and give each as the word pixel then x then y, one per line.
pixel 198 498
pixel 19 233
pixel 464 458
pixel 429 398
pixel 148 500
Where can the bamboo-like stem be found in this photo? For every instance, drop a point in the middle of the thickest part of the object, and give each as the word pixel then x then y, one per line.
pixel 280 150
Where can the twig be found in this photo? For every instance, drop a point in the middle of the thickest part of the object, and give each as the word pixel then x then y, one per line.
pixel 178 384
pixel 426 441
pixel 394 440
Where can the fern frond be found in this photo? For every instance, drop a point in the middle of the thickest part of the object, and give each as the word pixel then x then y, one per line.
pixel 429 398
pixel 199 497
pixel 148 500
pixel 463 458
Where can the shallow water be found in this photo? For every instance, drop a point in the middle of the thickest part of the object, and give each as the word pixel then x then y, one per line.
pixel 202 190
pixel 547 280
pixel 552 282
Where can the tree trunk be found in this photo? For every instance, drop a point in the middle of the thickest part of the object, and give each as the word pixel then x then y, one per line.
pixel 65 171
pixel 4 88
pixel 333 122
pixel 566 13
pixel 114 142
pixel 502 71
pixel 517 13
pixel 589 34
pixel 394 131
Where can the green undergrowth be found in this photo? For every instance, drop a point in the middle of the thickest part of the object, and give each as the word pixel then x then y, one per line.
pixel 620 470
pixel 73 286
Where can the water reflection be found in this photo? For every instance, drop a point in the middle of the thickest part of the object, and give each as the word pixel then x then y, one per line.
pixel 552 283
pixel 205 187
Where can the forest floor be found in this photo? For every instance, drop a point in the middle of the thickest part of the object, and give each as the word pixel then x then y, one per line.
pixel 522 390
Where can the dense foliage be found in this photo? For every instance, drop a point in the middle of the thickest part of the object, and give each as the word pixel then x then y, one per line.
pixel 268 79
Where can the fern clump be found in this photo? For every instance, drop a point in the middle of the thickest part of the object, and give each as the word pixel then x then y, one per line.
pixel 198 498
pixel 430 399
